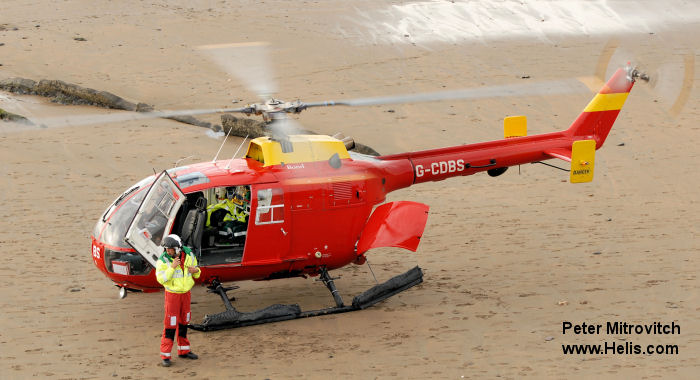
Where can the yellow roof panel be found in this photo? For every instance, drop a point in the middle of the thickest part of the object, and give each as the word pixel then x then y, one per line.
pixel 306 148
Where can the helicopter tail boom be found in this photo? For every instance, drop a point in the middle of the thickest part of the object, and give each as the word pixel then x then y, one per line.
pixel 593 124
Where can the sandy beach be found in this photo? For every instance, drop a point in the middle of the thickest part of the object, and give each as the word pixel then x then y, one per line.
pixel 507 260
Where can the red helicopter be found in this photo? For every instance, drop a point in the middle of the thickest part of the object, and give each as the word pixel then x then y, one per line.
pixel 305 204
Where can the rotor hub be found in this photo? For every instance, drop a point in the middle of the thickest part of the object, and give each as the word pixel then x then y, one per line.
pixel 274 106
pixel 633 73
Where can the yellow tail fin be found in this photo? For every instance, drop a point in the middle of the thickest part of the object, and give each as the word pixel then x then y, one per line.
pixel 582 161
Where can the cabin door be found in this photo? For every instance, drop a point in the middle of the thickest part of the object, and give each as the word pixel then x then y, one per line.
pixel 269 225
pixel 154 218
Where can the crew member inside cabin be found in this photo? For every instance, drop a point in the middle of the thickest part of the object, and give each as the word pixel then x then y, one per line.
pixel 242 200
pixel 176 271
pixel 230 214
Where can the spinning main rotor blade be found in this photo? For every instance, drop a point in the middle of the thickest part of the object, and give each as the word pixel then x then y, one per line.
pixel 80 120
pixel 290 126
pixel 248 62
pixel 539 88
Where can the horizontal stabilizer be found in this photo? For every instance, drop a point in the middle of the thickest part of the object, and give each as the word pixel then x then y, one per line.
pixel 560 153
pixel 582 158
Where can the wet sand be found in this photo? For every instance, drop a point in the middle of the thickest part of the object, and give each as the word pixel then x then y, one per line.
pixel 506 259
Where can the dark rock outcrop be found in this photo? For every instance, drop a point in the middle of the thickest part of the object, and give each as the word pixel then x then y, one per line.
pixel 364 149
pixel 18 86
pixel 242 126
pixel 9 116
pixel 68 93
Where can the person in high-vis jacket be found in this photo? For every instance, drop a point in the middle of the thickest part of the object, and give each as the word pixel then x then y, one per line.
pixel 176 271
pixel 234 204
pixel 235 201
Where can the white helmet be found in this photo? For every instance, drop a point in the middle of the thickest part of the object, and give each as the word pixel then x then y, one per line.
pixel 172 241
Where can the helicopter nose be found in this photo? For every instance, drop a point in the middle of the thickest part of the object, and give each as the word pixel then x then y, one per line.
pixel 110 253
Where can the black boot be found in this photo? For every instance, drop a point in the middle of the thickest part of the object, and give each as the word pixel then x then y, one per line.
pixel 189 355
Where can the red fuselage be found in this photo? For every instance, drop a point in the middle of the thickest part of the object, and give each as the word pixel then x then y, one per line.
pixel 325 210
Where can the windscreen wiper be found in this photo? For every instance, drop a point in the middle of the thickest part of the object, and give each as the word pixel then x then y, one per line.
pixel 118 201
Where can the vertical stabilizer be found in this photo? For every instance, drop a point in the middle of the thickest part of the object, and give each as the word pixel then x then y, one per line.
pixel 598 117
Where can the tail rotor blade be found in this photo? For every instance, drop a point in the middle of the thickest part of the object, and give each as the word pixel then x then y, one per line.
pixel 671 77
pixel 673 82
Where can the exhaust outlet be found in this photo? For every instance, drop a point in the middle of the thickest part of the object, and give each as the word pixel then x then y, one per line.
pixel 349 142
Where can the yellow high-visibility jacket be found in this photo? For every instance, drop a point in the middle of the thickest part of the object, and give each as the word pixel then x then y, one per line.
pixel 177 280
pixel 240 214
pixel 235 211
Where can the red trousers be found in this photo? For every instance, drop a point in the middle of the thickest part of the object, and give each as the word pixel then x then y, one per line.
pixel 177 316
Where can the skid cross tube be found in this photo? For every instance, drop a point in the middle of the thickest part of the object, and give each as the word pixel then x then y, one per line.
pixel 231 318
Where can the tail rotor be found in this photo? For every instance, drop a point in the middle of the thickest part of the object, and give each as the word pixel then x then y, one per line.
pixel 670 78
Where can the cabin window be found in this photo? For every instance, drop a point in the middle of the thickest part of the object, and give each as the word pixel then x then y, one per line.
pixel 191 179
pixel 270 206
pixel 126 263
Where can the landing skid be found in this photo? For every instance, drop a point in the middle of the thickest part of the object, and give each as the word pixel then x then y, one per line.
pixel 232 318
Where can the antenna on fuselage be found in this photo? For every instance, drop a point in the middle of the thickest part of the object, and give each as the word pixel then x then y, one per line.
pixel 182 159
pixel 237 150
pixel 222 145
